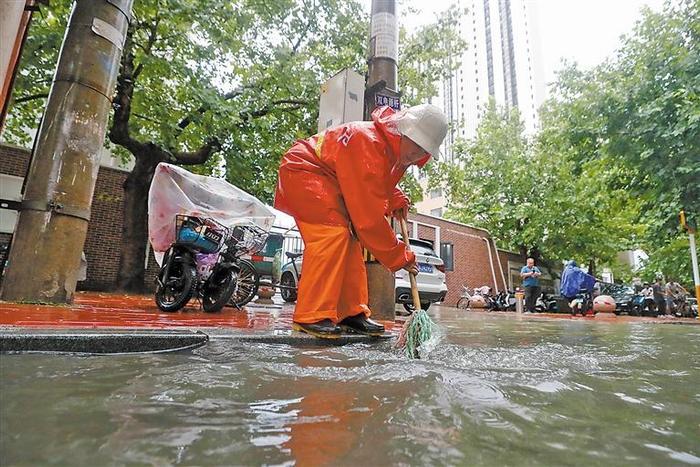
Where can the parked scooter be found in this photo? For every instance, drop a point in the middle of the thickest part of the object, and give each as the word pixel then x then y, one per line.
pixel 583 303
pixel 480 298
pixel 204 262
pixel 683 309
pixel 545 303
pixel 643 306
pixel 505 300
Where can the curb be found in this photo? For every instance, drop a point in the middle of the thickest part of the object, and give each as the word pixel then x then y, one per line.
pixel 100 342
pixel 128 341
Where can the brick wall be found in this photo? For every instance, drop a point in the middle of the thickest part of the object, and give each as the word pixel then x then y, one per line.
pixel 103 241
pixel 13 160
pixel 472 265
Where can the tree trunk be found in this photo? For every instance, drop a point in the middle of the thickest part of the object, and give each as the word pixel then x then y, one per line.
pixel 130 277
pixel 591 267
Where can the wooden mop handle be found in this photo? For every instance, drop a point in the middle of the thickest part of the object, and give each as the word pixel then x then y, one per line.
pixel 412 278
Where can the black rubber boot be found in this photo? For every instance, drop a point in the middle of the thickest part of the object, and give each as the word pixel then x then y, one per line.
pixel 324 329
pixel 362 324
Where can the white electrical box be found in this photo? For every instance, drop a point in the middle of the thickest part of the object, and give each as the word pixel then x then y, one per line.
pixel 342 99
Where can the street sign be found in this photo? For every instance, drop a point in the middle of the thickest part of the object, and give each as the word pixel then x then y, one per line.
pixel 392 101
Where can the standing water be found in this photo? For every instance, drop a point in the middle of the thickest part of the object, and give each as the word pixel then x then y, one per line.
pixel 493 391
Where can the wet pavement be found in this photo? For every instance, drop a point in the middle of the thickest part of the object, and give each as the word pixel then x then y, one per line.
pixel 103 320
pixel 118 323
pixel 491 389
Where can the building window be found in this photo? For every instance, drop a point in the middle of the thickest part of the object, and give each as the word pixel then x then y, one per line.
pixel 437 212
pixel 10 189
pixel 447 255
pixel 436 193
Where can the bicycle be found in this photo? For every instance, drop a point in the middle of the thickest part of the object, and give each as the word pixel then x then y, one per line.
pixel 468 299
pixel 464 299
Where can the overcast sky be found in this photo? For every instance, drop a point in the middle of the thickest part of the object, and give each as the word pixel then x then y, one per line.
pixel 585 31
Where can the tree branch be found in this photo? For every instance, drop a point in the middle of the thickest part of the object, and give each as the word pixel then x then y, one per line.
pixel 199 156
pixel 119 132
pixel 296 104
pixel 148 48
pixel 311 19
pixel 205 107
pixel 41 95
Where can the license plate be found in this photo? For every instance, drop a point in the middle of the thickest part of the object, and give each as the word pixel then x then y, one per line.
pixel 422 267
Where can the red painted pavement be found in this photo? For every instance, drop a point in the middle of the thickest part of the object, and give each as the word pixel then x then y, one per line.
pixel 103 310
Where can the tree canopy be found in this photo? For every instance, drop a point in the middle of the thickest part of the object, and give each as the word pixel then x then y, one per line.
pixel 223 86
pixel 616 157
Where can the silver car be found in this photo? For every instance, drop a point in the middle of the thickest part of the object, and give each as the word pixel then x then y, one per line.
pixel 430 280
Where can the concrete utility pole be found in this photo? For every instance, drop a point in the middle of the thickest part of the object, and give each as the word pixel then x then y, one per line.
pixel 55 211
pixel 381 90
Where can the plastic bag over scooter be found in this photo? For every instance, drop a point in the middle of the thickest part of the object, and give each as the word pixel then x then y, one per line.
pixel 175 190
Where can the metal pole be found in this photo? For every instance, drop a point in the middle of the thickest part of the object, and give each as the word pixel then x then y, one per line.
pixel 694 260
pixel 50 235
pixel 383 44
pixel 382 67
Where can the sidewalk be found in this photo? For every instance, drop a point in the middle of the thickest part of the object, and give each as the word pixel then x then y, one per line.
pixel 113 323
pixel 117 323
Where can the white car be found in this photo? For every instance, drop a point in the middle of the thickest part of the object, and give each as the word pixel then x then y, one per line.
pixel 430 279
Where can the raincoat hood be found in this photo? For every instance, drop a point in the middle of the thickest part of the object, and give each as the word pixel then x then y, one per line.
pixel 386 120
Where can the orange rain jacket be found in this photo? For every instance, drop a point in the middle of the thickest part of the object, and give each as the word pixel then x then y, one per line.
pixel 348 175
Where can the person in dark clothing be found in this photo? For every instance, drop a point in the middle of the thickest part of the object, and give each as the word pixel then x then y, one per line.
pixel 531 282
pixel 659 291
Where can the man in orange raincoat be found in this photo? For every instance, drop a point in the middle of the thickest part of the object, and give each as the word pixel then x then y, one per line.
pixel 339 185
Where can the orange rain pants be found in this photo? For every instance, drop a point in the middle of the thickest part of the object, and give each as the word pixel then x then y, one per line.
pixel 333 281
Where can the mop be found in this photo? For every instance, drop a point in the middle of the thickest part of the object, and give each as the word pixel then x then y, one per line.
pixel 418 328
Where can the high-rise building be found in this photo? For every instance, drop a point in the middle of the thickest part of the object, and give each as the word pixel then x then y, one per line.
pixel 501 61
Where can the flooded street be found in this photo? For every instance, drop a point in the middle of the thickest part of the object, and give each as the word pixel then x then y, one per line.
pixel 494 390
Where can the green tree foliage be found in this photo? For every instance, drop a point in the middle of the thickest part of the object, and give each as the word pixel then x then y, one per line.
pixel 532 197
pixel 221 85
pixel 639 115
pixel 617 156
pixel 428 55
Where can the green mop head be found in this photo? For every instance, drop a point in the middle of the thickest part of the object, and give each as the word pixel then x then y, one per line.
pixel 417 330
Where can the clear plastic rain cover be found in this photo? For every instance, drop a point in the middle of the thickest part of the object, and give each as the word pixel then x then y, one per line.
pixel 175 191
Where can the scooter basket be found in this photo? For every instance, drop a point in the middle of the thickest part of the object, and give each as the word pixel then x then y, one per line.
pixel 202 235
pixel 248 238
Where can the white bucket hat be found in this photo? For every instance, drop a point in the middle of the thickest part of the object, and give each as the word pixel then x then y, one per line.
pixel 425 125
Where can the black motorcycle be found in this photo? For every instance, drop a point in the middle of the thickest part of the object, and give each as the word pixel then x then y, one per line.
pixel 545 304
pixel 505 301
pixel 582 303
pixel 204 262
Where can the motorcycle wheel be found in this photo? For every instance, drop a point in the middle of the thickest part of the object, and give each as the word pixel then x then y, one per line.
pixel 463 304
pixel 289 292
pixel 178 287
pixel 248 284
pixel 410 308
pixel 218 290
